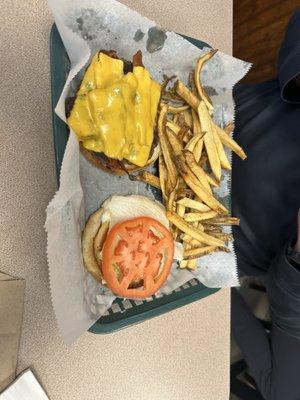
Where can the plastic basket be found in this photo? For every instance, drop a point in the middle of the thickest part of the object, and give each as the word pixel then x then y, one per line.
pixel 123 313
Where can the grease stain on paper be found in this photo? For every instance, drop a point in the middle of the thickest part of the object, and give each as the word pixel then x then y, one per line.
pixel 138 36
pixel 156 39
pixel 87 23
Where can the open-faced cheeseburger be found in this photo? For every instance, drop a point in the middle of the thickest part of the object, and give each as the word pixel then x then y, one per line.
pixel 127 245
pixel 114 113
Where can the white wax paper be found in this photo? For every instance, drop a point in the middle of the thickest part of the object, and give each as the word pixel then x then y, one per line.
pixel 85 27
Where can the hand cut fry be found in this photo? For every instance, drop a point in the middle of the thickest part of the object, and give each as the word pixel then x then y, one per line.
pixel 196 205
pixel 221 152
pixel 211 180
pixel 148 178
pixel 192 143
pixel 193 242
pixel 192 264
pixel 224 236
pixel 191 83
pixel 197 187
pixel 197 131
pixel 197 170
pixel 213 228
pixel 209 142
pixel 172 197
pixel 196 123
pixel 197 252
pixel 180 210
pixel 173 126
pixel 162 175
pixel 229 142
pixel 182 133
pixel 229 128
pixel 188 264
pixel 196 216
pixel 175 143
pixel 187 95
pixel 177 110
pixel 166 148
pixel 223 221
pixel 202 93
pixel 192 231
pixel 188 118
pixel 181 120
pixel 198 149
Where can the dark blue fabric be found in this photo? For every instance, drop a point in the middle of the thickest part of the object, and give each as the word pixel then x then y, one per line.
pixel 266 186
pixel 266 197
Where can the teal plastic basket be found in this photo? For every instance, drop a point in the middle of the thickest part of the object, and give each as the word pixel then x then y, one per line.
pixel 122 313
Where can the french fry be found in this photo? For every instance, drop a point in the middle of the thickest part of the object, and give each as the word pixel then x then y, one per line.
pixel 224 236
pixel 197 131
pixel 191 83
pixel 197 187
pixel 175 119
pixel 202 93
pixel 186 95
pixel 196 205
pixel 192 143
pixel 172 197
pixel 166 148
pixel 183 264
pixel 229 128
pixel 188 239
pixel 189 264
pixel 223 221
pixel 232 144
pixel 197 252
pixel 188 118
pixel 192 264
pixel 192 231
pixel 177 110
pixel 181 120
pixel 184 134
pixel 198 149
pixel 197 170
pixel 173 126
pixel 211 180
pixel 196 216
pixel 190 140
pixel 174 142
pixel 162 175
pixel 196 123
pixel 181 132
pixel 209 142
pixel 148 178
pixel 221 152
pixel 213 228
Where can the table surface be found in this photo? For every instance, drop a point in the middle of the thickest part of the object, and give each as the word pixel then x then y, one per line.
pixel 181 355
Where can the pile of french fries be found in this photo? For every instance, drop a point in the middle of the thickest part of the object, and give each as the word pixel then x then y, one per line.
pixel 190 165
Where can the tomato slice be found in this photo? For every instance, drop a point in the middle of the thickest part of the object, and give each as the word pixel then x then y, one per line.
pixel 137 257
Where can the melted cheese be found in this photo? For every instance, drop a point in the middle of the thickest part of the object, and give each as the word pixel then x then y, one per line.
pixel 114 113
